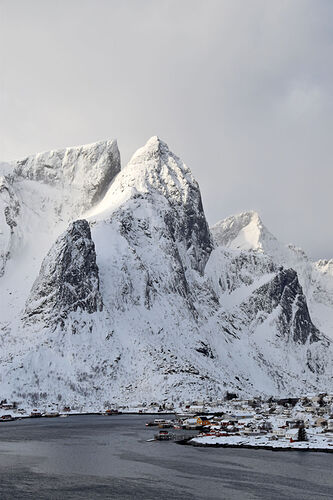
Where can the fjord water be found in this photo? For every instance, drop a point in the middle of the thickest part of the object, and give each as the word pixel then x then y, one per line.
pixel 93 457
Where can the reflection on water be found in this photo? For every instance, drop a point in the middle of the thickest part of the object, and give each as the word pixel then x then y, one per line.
pixel 109 457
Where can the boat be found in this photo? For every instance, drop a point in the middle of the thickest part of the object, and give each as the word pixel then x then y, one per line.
pixel 156 423
pixel 63 415
pixel 35 414
pixel 165 425
pixel 164 436
pixel 112 412
pixel 51 414
pixel 6 418
pixel 159 421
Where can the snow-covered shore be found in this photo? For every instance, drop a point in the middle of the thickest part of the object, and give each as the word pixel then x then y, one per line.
pixel 316 442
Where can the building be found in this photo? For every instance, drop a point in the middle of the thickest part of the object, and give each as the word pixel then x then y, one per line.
pixel 292 434
pixel 279 432
pixel 330 424
pixel 203 421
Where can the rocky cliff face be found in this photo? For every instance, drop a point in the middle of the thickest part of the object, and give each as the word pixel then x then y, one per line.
pixel 154 214
pixel 88 169
pixel 247 231
pixel 39 197
pixel 230 269
pixel 41 194
pixel 9 212
pixel 68 279
pixel 157 177
pixel 284 293
pixel 147 306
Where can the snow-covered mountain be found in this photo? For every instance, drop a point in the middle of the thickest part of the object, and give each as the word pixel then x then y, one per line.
pixel 115 290
pixel 39 197
pixel 247 232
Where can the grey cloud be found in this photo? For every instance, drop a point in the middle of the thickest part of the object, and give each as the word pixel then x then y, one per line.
pixel 242 91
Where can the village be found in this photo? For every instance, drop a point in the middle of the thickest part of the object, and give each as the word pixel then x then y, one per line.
pixel 304 423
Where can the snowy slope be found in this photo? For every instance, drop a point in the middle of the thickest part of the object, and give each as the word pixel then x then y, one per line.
pixel 143 305
pixel 246 231
pixel 39 196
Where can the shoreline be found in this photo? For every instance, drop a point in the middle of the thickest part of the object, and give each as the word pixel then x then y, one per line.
pixel 255 447
pixel 186 442
pixel 71 414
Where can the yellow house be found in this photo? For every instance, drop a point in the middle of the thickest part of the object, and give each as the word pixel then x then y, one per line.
pixel 203 421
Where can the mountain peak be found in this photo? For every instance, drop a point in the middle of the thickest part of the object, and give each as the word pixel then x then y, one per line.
pixel 89 168
pixel 154 144
pixel 244 231
pixel 158 185
pixel 152 152
pixel 152 170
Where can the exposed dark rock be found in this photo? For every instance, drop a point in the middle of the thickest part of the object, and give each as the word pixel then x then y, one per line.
pixel 294 320
pixel 206 350
pixel 68 279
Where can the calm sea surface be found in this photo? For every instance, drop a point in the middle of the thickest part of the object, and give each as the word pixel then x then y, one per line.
pixel 94 457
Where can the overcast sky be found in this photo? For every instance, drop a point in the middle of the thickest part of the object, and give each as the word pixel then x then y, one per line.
pixel 241 90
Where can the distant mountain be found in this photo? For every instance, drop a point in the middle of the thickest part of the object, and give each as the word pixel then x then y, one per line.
pixel 247 232
pixel 115 290
pixel 244 232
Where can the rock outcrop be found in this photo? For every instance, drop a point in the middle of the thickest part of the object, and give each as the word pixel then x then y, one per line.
pixel 285 294
pixel 68 279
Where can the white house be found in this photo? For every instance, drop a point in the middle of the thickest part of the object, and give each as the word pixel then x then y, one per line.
pixel 292 434
pixel 279 432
